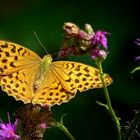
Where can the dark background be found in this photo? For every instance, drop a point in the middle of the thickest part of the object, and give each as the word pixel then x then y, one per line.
pixel 85 119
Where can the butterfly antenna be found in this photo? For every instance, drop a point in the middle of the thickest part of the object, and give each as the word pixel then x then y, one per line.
pixel 40 41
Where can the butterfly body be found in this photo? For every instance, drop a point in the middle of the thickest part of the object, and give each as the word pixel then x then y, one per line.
pixel 42 71
pixel 27 77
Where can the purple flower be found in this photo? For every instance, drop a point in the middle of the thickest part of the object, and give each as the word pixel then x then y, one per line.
pixel 80 41
pixel 99 45
pixel 8 131
pixel 43 125
pixel 64 52
pixel 94 53
pixel 99 38
pixel 137 41
pixel 137 58
pixel 83 35
pixel 97 53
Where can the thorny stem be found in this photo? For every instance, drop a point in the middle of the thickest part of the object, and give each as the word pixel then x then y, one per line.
pixel 133 126
pixel 99 64
pixel 63 128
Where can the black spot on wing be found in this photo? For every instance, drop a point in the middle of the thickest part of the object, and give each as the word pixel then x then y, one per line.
pixel 13 50
pixel 12 64
pixel 4 46
pixel 7 54
pixel 4 60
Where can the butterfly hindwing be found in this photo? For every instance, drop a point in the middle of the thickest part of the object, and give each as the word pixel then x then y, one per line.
pixel 51 91
pixel 19 84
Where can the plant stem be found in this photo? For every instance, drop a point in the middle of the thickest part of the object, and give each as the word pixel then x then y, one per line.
pixel 99 64
pixel 133 126
pixel 63 128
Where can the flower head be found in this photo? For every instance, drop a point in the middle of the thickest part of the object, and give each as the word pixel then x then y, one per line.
pixel 38 117
pixel 137 41
pixel 79 41
pixel 99 45
pixel 94 53
pixel 8 131
pixel 137 58
pixel 43 125
pixel 99 38
pixel 71 29
pixel 97 53
pixel 65 51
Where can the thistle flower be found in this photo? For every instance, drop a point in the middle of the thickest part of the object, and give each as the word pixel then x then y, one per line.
pixel 137 41
pixel 99 45
pixel 78 42
pixel 99 38
pixel 65 51
pixel 33 120
pixel 8 131
pixel 43 125
pixel 71 29
pixel 137 58
pixel 97 53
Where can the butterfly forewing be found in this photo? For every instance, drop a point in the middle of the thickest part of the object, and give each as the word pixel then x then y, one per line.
pixel 18 67
pixel 14 57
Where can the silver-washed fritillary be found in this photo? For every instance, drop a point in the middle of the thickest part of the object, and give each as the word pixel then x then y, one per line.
pixel 27 77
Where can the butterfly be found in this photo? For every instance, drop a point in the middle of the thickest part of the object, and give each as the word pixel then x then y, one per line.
pixel 27 77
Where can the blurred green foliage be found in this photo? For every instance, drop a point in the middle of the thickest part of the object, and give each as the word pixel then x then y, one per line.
pixel 85 119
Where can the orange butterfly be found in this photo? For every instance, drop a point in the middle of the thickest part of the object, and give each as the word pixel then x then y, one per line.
pixel 27 77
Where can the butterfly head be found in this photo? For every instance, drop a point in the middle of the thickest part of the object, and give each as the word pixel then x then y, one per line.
pixel 47 60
